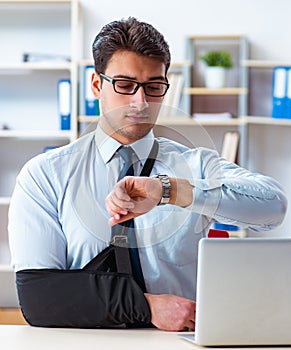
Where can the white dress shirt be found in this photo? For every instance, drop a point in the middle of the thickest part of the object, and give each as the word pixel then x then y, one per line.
pixel 58 219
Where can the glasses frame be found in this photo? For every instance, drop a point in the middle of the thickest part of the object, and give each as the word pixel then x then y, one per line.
pixel 138 85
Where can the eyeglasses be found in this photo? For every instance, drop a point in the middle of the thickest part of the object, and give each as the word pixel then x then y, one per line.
pixel 130 87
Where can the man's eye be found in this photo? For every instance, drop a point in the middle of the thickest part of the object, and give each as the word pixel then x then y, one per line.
pixel 125 85
pixel 155 87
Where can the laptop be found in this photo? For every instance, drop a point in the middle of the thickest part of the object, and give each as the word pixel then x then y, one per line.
pixel 243 292
pixel 8 294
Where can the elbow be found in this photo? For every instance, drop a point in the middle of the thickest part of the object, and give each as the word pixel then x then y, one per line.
pixel 271 216
pixel 281 209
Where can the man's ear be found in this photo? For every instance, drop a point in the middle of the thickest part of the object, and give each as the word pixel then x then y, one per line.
pixel 96 85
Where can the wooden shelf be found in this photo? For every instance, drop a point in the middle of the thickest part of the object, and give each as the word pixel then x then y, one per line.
pixel 180 121
pixel 88 119
pixel 223 91
pixel 35 1
pixel 37 134
pixel 11 316
pixel 13 68
pixel 264 64
pixel 4 200
pixel 215 37
pixel 267 121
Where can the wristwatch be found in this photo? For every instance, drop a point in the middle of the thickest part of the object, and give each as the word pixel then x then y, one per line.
pixel 166 188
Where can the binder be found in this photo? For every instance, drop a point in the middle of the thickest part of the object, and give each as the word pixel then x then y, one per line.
pixel 279 91
pixel 91 102
pixel 288 95
pixel 64 103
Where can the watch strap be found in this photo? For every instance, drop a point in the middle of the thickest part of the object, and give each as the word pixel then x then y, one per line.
pixel 166 188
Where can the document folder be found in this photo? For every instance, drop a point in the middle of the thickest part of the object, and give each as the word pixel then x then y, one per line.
pixel 280 78
pixel 64 103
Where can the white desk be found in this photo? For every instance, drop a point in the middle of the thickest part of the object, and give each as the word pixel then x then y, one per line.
pixel 14 337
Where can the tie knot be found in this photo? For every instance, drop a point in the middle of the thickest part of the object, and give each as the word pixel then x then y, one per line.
pixel 126 153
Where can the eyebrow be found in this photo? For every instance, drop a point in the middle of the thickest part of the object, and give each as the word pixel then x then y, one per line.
pixel 121 76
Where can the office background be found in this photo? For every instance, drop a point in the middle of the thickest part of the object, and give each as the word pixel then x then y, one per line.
pixel 266 24
pixel 263 22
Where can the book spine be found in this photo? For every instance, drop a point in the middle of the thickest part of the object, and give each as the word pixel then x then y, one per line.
pixel 91 102
pixel 279 108
pixel 288 95
pixel 64 103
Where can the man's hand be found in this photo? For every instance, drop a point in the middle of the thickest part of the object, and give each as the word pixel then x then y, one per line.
pixel 172 313
pixel 136 195
pixel 133 196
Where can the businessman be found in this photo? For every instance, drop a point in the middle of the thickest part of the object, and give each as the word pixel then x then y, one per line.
pixel 67 202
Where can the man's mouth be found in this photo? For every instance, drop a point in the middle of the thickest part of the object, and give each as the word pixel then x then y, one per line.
pixel 137 118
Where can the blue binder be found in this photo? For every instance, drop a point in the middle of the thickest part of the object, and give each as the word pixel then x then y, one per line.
pixel 91 102
pixel 279 91
pixel 288 95
pixel 64 103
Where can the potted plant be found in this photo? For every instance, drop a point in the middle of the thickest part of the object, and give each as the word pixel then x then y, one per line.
pixel 217 62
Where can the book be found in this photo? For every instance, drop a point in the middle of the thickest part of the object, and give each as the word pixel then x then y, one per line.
pixel 230 145
pixel 172 99
pixel 281 92
pixel 88 103
pixel 91 102
pixel 43 57
pixel 288 95
pixel 64 103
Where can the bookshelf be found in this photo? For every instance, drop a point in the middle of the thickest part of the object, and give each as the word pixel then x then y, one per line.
pixel 231 98
pixel 29 120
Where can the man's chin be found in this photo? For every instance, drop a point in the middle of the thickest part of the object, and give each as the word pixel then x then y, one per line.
pixel 135 131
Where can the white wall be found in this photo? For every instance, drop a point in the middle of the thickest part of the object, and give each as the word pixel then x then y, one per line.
pixel 265 22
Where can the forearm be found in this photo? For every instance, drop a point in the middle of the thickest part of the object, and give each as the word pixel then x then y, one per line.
pixel 244 199
pixel 78 298
pixel 181 192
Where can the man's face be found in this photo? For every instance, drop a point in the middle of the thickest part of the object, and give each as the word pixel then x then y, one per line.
pixel 128 118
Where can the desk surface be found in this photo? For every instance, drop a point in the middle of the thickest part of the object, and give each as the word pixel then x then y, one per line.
pixel 16 337
pixel 32 338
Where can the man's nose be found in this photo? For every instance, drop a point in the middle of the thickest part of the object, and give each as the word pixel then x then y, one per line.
pixel 139 100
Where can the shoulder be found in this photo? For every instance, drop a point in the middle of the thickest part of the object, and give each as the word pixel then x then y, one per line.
pixel 58 160
pixel 167 145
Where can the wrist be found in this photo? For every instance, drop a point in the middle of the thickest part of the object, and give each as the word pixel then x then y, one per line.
pixel 166 188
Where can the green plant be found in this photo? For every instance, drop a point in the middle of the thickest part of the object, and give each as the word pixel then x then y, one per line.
pixel 217 59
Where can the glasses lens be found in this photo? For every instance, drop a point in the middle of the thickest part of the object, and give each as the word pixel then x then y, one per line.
pixel 125 86
pixel 155 89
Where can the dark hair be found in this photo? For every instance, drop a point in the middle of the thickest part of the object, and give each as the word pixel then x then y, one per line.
pixel 132 35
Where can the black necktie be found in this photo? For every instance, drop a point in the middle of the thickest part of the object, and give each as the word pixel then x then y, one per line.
pixel 127 227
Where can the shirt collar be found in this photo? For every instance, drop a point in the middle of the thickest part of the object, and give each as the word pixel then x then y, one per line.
pixel 108 146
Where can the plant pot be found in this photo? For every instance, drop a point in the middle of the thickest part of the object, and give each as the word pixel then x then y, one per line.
pixel 215 77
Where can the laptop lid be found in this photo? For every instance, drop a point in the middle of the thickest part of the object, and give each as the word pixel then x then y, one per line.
pixel 243 292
